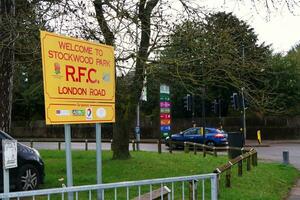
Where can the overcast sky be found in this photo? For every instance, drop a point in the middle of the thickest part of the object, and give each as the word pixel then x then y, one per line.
pixel 279 28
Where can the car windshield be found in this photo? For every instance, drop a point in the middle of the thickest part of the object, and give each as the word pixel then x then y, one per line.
pixel 4 135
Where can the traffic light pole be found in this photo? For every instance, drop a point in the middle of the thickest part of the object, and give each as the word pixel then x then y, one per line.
pixel 244 115
pixel 203 113
pixel 220 113
pixel 193 109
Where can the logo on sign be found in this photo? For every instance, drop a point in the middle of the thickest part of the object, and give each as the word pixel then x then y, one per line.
pixel 62 113
pixel 101 112
pixel 89 114
pixel 106 77
pixel 56 68
pixel 78 112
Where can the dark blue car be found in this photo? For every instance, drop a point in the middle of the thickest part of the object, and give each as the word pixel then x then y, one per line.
pixel 213 137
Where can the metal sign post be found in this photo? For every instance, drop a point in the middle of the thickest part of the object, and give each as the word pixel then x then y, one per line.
pixel 68 158
pixel 6 181
pixel 99 159
pixel 137 128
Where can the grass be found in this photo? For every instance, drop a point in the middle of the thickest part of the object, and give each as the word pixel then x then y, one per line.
pixel 267 181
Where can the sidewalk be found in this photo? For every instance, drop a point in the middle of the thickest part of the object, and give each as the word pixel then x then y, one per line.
pixel 267 143
pixel 295 192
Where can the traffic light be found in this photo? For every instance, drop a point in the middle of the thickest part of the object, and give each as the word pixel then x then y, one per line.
pixel 187 102
pixel 215 107
pixel 235 101
pixel 246 103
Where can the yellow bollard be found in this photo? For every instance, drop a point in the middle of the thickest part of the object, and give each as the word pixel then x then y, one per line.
pixel 259 137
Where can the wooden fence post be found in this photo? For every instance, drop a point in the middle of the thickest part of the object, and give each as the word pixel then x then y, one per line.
pixel 159 146
pixel 215 152
pixel 255 158
pixel 204 150
pixel 240 168
pixel 228 177
pixel 86 145
pixel 59 146
pixel 31 143
pixel 195 149
pixel 133 145
pixel 248 163
pixel 228 152
pixel 218 184
pixel 186 147
pixel 170 146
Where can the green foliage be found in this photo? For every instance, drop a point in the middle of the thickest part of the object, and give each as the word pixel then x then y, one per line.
pixel 283 83
pixel 221 54
pixel 28 97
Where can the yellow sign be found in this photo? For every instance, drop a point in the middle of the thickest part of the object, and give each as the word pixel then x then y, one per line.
pixel 79 80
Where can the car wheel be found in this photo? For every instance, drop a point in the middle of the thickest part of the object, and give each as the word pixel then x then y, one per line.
pixel 28 178
pixel 210 143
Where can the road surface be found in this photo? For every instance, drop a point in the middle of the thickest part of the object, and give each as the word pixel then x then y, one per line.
pixel 273 152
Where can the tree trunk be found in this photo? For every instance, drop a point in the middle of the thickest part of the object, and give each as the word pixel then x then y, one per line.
pixel 128 95
pixel 122 127
pixel 7 13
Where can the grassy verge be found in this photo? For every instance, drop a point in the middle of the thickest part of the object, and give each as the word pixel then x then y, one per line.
pixel 267 181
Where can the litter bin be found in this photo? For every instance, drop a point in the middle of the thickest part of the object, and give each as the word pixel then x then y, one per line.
pixel 235 139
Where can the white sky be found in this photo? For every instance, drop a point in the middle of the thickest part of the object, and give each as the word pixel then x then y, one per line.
pixel 281 29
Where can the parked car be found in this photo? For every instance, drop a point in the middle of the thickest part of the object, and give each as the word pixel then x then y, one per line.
pixel 30 171
pixel 213 137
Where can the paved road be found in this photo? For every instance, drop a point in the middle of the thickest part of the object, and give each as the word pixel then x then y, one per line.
pixel 271 153
pixel 274 152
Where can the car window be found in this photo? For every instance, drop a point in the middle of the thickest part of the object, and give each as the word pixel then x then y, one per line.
pixel 186 131
pixel 191 131
pixel 208 131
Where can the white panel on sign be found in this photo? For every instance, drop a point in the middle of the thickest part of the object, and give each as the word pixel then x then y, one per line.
pixel 10 152
pixel 164 89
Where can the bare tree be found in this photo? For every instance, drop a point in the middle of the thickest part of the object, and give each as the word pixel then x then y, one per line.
pixel 7 57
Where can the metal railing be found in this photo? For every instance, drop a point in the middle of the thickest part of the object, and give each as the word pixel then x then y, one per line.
pixel 249 156
pixel 185 187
